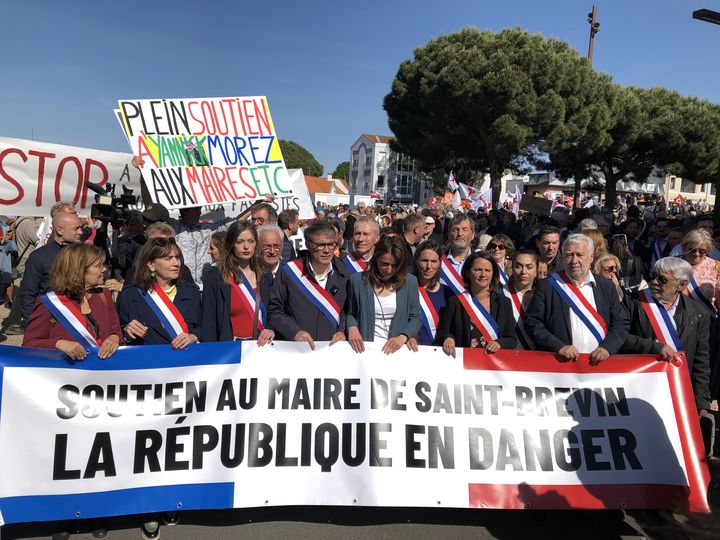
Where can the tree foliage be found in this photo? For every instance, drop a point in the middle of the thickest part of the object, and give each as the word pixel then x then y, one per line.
pixel 488 100
pixel 298 157
pixel 342 171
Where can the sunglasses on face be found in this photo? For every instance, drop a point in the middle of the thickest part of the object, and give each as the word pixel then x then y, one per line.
pixel 698 251
pixel 501 247
pixel 662 280
pixel 610 269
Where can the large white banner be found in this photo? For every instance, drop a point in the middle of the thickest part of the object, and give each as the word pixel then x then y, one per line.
pixel 216 427
pixel 35 175
pixel 206 151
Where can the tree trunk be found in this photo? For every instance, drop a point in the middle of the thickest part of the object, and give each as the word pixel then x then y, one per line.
pixel 576 193
pixel 610 186
pixel 496 186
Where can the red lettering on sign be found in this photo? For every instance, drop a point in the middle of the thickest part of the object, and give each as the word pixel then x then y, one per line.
pixel 6 176
pixel 41 173
pixel 89 163
pixel 59 174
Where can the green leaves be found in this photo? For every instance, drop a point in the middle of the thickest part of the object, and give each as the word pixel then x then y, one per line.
pixel 298 157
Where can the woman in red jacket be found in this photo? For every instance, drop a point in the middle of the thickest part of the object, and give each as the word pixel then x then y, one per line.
pixel 75 317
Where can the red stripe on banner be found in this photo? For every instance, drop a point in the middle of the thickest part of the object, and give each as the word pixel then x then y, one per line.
pixel 690 437
pixel 589 496
pixel 171 306
pixel 583 300
pixel 543 362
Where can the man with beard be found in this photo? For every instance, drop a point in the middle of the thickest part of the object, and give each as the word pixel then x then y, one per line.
pixel 461 234
pixel 660 246
pixel 548 247
pixel 574 311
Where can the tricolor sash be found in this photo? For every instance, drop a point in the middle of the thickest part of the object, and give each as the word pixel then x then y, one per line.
pixel 657 252
pixel 248 299
pixel 166 311
pixel 572 296
pixel 312 290
pixel 503 276
pixel 480 316
pixel 519 314
pixel 450 277
pixel 660 321
pixel 430 317
pixel 71 318
pixel 696 293
pixel 354 262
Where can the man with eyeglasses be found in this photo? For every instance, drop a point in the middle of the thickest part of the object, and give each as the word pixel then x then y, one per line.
pixel 270 244
pixel 683 324
pixel 308 294
pixel 263 213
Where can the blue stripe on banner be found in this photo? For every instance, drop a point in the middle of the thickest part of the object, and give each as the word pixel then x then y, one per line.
pixel 138 357
pixel 572 306
pixel 115 503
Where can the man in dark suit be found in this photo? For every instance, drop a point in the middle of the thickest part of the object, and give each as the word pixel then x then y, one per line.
pixel 291 313
pixel 552 323
pixel 670 277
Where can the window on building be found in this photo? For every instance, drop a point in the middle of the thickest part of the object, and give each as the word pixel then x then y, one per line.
pixel 687 186
pixel 381 180
pixel 403 185
pixel 367 186
pixel 368 161
pixel 355 162
pixel 712 189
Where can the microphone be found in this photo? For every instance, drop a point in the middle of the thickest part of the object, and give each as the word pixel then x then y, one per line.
pixel 95 188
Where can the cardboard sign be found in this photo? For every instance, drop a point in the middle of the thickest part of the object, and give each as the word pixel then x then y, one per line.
pixel 536 205
pixel 206 151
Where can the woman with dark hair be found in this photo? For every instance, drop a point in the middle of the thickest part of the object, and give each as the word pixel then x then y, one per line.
pixel 76 316
pixel 234 293
pixel 159 308
pixel 502 249
pixel 482 315
pixel 519 290
pixel 433 294
pixel 383 300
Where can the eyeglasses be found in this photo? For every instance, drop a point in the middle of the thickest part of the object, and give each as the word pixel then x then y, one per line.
pixel 257 220
pixel 662 280
pixel 270 247
pixel 501 247
pixel 698 251
pixel 326 245
pixel 612 268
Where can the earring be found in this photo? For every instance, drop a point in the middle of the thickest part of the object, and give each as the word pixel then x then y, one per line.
pixel 152 274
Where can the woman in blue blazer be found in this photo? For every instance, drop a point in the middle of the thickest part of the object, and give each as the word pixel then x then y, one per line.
pixel 383 301
pixel 158 308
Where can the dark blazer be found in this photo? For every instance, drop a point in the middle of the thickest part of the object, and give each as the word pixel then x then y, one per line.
pixel 44 331
pixel 133 306
pixel 456 323
pixel 547 318
pixel 288 249
pixel 693 324
pixel 36 279
pixel 361 308
pixel 216 325
pixel 289 311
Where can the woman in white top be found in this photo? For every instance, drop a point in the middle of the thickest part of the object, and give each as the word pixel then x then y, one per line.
pixel 383 301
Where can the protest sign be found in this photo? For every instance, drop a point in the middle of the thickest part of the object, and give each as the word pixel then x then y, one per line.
pixel 536 205
pixel 35 175
pixel 231 425
pixel 206 151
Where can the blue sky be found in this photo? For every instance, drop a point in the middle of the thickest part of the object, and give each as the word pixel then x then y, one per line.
pixel 324 65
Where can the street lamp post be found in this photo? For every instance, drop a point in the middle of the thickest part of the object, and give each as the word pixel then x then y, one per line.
pixel 594 29
pixel 710 16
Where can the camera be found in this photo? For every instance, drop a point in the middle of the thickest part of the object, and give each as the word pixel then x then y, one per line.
pixel 108 207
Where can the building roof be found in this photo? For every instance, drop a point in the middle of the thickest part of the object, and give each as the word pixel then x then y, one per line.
pixel 324 185
pixel 385 139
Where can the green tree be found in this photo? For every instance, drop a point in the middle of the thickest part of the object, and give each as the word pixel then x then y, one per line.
pixel 485 99
pixel 342 171
pixel 298 157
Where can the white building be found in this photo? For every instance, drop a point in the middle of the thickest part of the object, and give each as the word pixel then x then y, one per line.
pixel 375 167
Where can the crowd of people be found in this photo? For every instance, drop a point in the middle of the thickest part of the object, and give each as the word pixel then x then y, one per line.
pixel 601 283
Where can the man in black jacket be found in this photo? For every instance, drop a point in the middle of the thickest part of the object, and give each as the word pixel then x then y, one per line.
pixel 292 314
pixel 67 229
pixel 691 324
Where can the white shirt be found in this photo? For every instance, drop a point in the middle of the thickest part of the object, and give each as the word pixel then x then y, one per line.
pixel 458 265
pixel 671 310
pixel 582 337
pixel 322 280
pixel 385 307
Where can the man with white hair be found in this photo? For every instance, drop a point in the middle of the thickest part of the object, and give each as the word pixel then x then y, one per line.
pixel 270 246
pixel 682 324
pixel 574 311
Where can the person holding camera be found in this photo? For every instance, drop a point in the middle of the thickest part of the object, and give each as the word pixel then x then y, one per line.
pixel 632 268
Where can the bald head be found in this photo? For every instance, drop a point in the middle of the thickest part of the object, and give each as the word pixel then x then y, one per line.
pixel 67 227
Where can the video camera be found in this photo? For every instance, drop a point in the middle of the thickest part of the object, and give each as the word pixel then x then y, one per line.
pixel 110 208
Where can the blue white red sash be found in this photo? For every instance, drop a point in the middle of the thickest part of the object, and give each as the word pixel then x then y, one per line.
pixel 430 317
pixel 660 321
pixel 450 277
pixel 503 276
pixel 248 299
pixel 480 317
pixel 67 313
pixel 657 252
pixel 312 290
pixel 572 296
pixel 519 314
pixel 354 262
pixel 696 293
pixel 166 311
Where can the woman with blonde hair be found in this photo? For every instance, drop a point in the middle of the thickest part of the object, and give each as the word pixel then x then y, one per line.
pixel 704 286
pixel 598 241
pixel 607 265
pixel 76 316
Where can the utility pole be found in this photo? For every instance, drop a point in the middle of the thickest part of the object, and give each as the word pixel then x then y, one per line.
pixel 594 29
